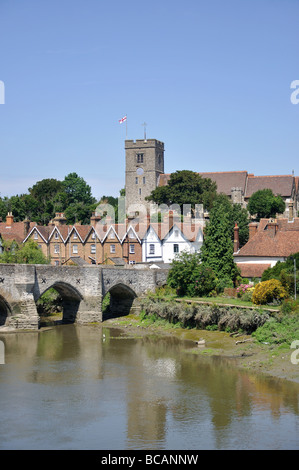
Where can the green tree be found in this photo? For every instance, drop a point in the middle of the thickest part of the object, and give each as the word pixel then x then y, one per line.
pixel 27 253
pixel 185 187
pixel 264 204
pixel 42 200
pixel 240 216
pixel 189 277
pixel 77 190
pixel 284 271
pixel 217 248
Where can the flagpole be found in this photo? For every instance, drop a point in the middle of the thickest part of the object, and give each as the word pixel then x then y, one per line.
pixel 126 127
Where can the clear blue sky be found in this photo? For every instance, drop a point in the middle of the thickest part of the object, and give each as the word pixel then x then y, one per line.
pixel 211 79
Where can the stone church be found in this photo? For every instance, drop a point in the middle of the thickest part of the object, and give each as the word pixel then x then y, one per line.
pixel 145 171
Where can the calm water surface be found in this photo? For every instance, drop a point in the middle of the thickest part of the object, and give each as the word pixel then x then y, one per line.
pixel 74 387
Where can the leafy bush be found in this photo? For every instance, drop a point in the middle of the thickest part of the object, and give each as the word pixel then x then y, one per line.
pixel 189 277
pixel 284 272
pixel 222 283
pixel 278 331
pixel 49 303
pixel 267 292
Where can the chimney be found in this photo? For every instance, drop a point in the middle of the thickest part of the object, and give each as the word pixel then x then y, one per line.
pixel 9 219
pixel 253 226
pixel 291 211
pixel 26 227
pixel 170 218
pixel 94 219
pixel 236 238
pixel 272 227
pixel 59 219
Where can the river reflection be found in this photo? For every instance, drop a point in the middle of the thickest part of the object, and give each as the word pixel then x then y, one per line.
pixel 72 387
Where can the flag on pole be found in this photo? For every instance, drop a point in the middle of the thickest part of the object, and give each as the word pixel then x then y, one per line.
pixel 122 119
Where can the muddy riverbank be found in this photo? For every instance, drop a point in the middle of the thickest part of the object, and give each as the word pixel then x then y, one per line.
pixel 242 350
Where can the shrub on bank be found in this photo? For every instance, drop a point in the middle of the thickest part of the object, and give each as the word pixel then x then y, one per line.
pixel 206 316
pixel 269 292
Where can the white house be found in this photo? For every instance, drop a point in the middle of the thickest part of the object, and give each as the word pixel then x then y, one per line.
pixel 162 243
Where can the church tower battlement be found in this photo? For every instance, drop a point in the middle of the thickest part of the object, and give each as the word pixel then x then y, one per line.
pixel 144 165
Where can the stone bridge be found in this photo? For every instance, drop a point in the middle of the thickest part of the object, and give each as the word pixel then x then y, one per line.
pixel 82 290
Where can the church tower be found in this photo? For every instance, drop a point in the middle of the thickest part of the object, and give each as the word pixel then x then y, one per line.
pixel 144 165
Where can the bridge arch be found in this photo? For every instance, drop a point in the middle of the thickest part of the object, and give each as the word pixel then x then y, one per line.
pixel 122 297
pixel 70 299
pixel 5 311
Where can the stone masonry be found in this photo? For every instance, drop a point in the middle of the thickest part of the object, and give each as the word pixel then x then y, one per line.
pixel 144 165
pixel 81 288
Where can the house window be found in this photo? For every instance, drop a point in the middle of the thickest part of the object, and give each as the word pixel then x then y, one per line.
pixel 136 179
pixel 176 248
pixel 132 262
pixel 139 191
pixel 139 157
pixel 93 235
pixel 92 248
pixel 112 248
pixel 176 233
pixel 111 235
pixel 75 236
pixel 143 179
pixel 152 249
pixel 132 249
pixel 35 236
pixel 75 249
pixel 56 249
pixel 56 236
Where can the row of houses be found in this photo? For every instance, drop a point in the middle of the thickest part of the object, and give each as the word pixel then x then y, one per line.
pixel 104 242
pixel 136 242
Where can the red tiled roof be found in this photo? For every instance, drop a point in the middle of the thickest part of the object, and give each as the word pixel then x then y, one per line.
pixel 252 269
pixel 281 184
pixel 15 231
pixel 270 243
pixel 226 180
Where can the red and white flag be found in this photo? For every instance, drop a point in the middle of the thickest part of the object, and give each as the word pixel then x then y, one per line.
pixel 122 119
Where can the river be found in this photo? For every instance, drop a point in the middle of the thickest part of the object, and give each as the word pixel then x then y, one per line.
pixel 94 387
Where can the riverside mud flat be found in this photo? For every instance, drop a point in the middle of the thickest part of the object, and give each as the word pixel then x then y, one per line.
pixel 241 350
